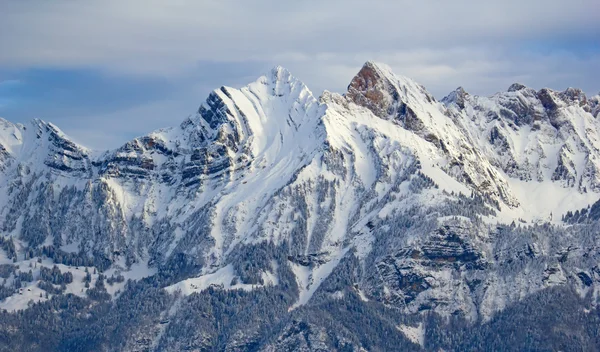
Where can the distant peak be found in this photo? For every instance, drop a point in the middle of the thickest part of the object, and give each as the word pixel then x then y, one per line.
pixel 48 127
pixel 552 99
pixel 457 97
pixel 282 81
pixel 42 124
pixel 515 87
pixel 281 74
pixel 461 91
pixel 280 71
pixel 5 123
pixel 574 95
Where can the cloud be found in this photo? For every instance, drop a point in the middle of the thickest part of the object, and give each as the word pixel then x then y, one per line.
pixel 123 68
pixel 158 36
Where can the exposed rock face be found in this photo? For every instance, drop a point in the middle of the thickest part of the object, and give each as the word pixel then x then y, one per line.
pixel 370 89
pixel 375 88
pixel 434 272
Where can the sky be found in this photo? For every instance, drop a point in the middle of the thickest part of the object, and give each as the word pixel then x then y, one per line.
pixel 107 71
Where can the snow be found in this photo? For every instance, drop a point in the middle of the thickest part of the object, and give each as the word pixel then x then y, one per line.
pixel 544 201
pixel 309 279
pixel 277 118
pixel 30 291
pixel 223 278
pixel 337 295
pixel 135 272
pixel 414 333
pixel 4 257
pixel 362 295
pixel 20 300
pixel 10 136
pixel 71 247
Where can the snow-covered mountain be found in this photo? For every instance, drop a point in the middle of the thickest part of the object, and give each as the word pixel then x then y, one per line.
pixel 453 206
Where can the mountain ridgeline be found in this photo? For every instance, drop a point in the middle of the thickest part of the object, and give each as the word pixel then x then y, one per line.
pixel 271 219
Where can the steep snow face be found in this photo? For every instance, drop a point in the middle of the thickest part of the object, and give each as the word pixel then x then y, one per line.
pixel 245 145
pixel 271 129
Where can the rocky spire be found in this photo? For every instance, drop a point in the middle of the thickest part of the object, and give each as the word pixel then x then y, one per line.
pixel 369 88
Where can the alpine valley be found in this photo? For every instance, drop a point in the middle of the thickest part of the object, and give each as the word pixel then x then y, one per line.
pixel 273 220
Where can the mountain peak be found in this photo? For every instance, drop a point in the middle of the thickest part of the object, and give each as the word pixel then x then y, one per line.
pixel 280 73
pixel 382 68
pixel 574 95
pixel 369 88
pixel 516 87
pixel 282 82
pixel 378 89
pixel 457 97
pixel 46 125
pixel 383 72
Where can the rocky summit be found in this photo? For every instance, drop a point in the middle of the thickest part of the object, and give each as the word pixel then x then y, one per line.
pixel 272 219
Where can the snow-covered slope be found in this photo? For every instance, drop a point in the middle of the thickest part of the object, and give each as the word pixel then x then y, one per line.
pixel 411 187
pixel 546 143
